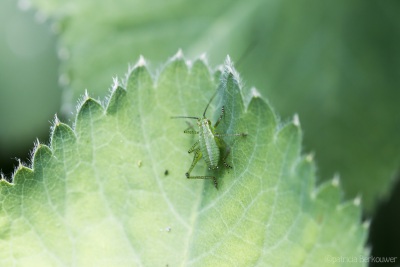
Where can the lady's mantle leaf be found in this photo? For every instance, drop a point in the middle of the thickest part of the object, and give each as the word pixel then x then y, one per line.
pixel 111 190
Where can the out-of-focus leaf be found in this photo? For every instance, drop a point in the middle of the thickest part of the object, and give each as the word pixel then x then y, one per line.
pixel 333 63
pixel 29 92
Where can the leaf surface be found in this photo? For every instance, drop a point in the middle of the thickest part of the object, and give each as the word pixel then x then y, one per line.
pixel 112 190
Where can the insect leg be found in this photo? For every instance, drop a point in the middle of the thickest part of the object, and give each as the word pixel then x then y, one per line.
pixel 190 129
pixel 194 147
pixel 205 177
pixel 196 158
pixel 220 117
pixel 235 134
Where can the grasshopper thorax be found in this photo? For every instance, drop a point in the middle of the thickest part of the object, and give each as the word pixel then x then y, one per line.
pixel 204 122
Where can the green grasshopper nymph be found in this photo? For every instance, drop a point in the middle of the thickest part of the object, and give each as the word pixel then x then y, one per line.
pixel 210 144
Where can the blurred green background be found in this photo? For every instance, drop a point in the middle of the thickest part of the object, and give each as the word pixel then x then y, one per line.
pixel 29 92
pixel 335 63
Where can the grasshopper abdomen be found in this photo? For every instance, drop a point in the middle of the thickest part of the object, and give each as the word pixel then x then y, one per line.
pixel 208 144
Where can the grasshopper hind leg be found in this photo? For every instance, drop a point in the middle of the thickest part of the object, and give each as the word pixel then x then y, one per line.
pixel 197 156
pixel 203 177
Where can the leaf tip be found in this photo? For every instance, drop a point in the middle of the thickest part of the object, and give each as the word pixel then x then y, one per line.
pixel 116 93
pixel 55 125
pixel 178 55
pixel 82 100
pixel 310 157
pixel 230 69
pixel 220 68
pixel 4 180
pixel 357 201
pixel 56 120
pixel 200 59
pixel 296 120
pixel 336 180
pixel 36 146
pixel 141 62
pixel 366 224
pixel 116 83
pixel 255 93
pixel 228 60
pixel 86 95
pixel 17 169
pixel 203 57
pixel 229 74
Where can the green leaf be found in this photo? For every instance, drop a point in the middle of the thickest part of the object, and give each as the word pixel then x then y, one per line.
pixel 111 191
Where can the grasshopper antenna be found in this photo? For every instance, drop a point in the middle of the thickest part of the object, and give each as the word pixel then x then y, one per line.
pixel 184 117
pixel 205 110
pixel 249 49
